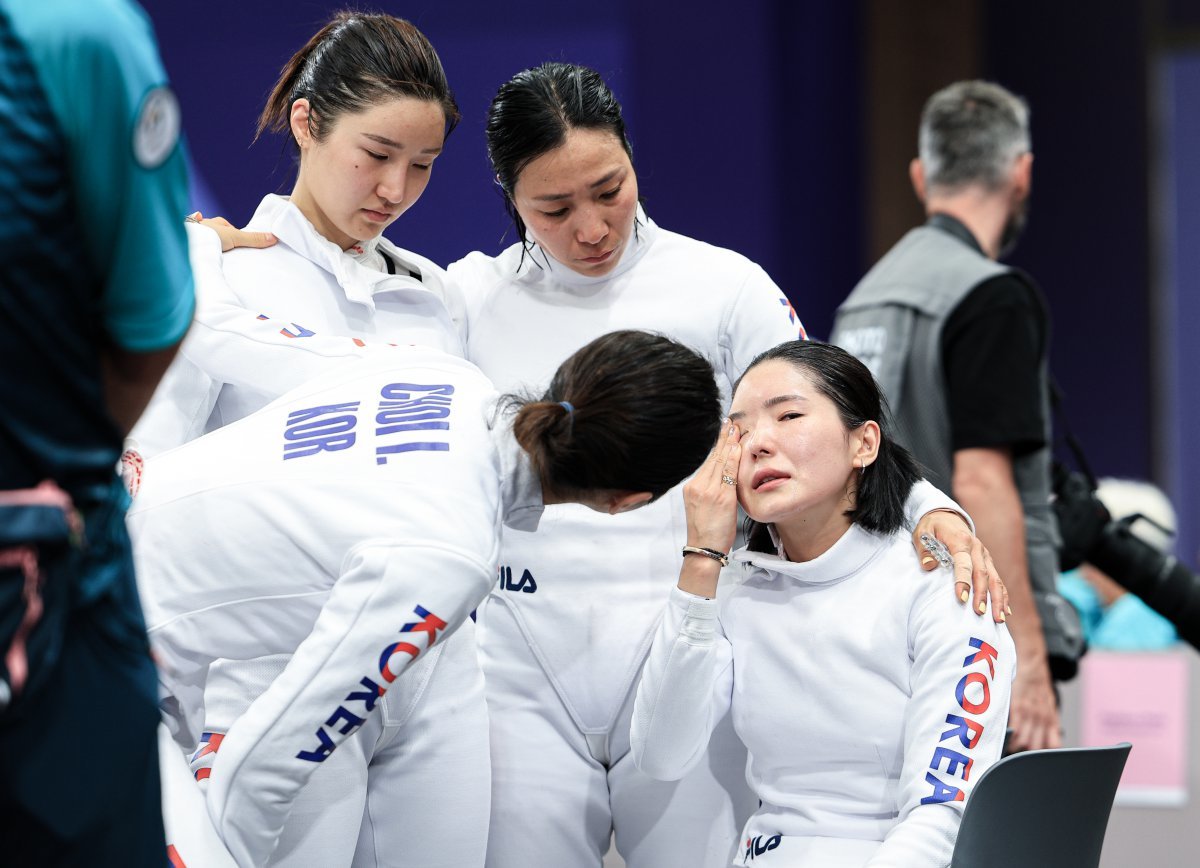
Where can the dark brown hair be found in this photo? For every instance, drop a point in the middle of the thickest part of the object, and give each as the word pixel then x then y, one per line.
pixel 356 61
pixel 631 411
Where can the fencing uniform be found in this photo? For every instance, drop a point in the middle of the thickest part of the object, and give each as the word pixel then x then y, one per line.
pixel 330 304
pixel 330 301
pixel 355 523
pixel 566 629
pixel 870 701
pixel 563 635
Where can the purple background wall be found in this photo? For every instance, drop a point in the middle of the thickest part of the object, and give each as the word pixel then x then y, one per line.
pixel 1088 240
pixel 746 122
pixel 1178 315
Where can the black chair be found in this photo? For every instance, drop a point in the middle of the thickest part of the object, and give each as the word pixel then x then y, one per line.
pixel 1041 809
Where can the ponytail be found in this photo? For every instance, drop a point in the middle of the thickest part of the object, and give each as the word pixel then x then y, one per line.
pixel 631 411
pixel 352 63
pixel 544 429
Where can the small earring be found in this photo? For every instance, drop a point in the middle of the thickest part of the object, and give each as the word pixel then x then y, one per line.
pixel 862 467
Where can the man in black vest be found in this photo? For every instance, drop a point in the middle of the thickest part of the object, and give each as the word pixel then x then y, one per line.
pixel 959 344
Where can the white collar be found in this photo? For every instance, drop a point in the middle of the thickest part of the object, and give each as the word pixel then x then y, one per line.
pixel 539 264
pixel 367 254
pixel 520 488
pixel 851 553
pixel 351 269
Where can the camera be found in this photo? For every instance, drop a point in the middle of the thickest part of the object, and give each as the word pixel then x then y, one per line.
pixel 1089 533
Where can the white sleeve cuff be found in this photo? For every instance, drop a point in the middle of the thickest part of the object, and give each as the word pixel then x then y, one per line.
pixel 694 617
pixel 925 498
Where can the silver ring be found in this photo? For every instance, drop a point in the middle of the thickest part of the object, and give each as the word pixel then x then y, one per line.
pixel 728 480
pixel 938 549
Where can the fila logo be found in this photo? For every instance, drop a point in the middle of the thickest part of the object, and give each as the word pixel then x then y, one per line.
pixel 756 846
pixel 526 584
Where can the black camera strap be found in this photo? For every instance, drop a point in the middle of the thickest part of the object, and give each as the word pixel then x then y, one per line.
pixel 1068 436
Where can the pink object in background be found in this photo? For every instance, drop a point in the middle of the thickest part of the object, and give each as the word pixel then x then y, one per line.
pixel 1142 698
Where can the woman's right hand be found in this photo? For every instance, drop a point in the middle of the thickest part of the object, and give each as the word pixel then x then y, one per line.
pixel 230 235
pixel 710 497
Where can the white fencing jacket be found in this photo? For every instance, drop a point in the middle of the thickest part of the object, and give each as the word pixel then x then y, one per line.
pixel 354 522
pixel 600 580
pixel 267 320
pixel 869 698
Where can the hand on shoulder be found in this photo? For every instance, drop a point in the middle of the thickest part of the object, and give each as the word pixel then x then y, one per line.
pixel 230 235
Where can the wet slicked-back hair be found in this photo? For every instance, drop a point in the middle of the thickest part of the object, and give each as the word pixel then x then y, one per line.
pixel 532 113
pixel 354 62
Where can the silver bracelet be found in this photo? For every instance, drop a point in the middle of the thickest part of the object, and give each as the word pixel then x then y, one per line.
pixel 723 559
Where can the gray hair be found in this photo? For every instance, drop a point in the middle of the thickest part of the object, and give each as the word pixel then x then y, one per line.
pixel 971 133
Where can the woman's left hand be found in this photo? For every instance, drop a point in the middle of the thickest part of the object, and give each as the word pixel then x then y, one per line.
pixel 230 235
pixel 973 567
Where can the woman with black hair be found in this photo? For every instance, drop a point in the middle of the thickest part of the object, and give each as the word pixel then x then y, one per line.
pixel 869 701
pixel 367 107
pixel 564 634
pixel 353 525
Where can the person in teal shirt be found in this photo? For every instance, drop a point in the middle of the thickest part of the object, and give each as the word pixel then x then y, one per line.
pixel 1113 618
pixel 95 294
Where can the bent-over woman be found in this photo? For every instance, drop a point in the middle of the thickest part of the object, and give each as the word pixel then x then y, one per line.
pixel 354 524
pixel 366 105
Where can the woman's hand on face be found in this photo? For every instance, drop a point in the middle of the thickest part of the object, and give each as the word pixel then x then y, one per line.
pixel 711 500
pixel 230 235
pixel 975 575
pixel 711 495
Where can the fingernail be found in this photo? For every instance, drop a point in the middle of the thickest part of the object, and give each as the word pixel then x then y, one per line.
pixel 982 607
pixel 964 596
pixel 1003 617
pixel 925 561
pixel 1008 609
